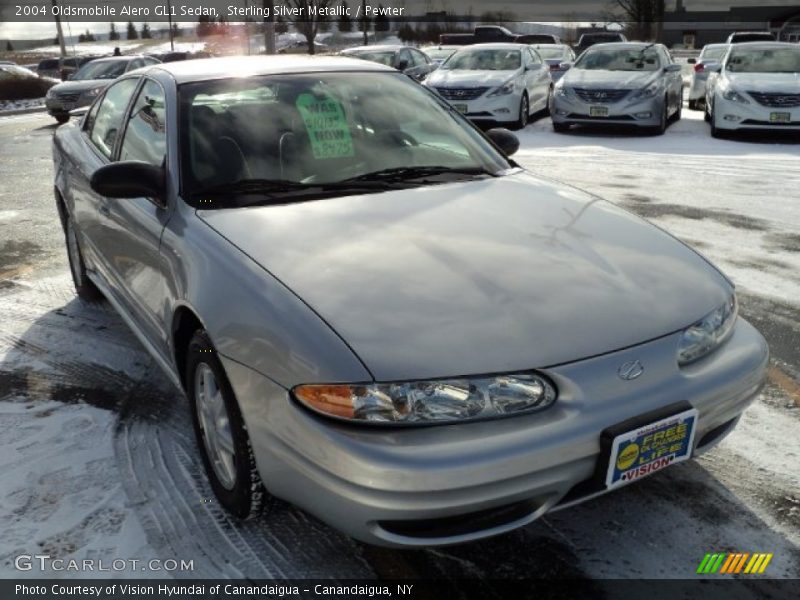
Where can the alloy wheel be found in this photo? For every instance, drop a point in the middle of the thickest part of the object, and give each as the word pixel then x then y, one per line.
pixel 215 425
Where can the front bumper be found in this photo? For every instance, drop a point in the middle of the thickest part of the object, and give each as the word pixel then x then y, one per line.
pixel 457 483
pixel 732 116
pixel 642 113
pixel 57 107
pixel 500 109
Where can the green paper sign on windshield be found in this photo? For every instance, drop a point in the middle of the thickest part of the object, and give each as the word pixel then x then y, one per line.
pixel 326 125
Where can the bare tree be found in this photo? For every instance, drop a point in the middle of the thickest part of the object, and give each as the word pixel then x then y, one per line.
pixel 309 15
pixel 644 17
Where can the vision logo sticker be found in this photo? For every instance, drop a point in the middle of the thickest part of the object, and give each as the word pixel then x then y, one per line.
pixel 627 456
pixel 326 126
pixel 722 563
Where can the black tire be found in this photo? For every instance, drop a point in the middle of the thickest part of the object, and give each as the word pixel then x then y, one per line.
pixel 694 105
pixel 662 126
pixel 524 112
pixel 62 119
pixel 560 127
pixel 84 287
pixel 678 113
pixel 244 497
pixel 706 113
pixel 715 131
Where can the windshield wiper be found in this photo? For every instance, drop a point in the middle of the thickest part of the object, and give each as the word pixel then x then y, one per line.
pixel 399 174
pixel 252 186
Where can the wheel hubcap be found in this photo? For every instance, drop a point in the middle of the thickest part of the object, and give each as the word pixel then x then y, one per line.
pixel 215 425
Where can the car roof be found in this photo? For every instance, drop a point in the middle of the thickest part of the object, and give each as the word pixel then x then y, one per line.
pixel 498 46
pixel 764 44
pixel 383 47
pixel 126 58
pixel 278 64
pixel 626 45
pixel 550 45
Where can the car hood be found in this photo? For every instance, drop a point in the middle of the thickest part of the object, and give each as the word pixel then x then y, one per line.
pixel 766 82
pixel 79 86
pixel 467 79
pixel 495 275
pixel 615 80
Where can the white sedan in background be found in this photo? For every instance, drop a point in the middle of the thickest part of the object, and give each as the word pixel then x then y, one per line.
pixel 697 86
pixel 502 83
pixel 757 86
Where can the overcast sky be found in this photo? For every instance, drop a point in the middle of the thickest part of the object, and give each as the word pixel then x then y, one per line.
pixel 528 10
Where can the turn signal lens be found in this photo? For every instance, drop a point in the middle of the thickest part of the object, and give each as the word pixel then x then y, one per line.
pixel 331 399
pixel 435 401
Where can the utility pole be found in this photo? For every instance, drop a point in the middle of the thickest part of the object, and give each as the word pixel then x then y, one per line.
pixel 59 31
pixel 364 21
pixel 269 28
pixel 171 34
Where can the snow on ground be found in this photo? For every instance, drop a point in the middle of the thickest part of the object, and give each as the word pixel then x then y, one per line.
pixel 736 201
pixel 14 105
pixel 61 492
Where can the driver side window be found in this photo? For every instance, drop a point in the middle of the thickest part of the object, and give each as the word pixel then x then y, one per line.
pixel 108 120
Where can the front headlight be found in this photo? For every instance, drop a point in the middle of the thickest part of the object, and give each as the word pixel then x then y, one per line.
pixel 708 333
pixel 648 92
pixel 435 401
pixel 562 90
pixel 734 96
pixel 93 92
pixel 504 89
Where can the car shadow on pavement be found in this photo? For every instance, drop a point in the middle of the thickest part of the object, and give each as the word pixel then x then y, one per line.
pixel 61 348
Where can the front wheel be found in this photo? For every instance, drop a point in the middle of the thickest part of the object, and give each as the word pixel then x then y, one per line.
pixel 524 112
pixel 84 286
pixel 662 125
pixel 221 433
pixel 716 132
pixel 62 119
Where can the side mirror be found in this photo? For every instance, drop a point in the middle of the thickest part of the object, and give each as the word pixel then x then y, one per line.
pixel 504 139
pixel 129 179
pixel 565 65
pixel 713 66
pixel 672 69
pixel 692 61
pixel 402 65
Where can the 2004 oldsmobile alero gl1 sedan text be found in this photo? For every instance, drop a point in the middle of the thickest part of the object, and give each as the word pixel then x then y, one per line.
pixel 376 314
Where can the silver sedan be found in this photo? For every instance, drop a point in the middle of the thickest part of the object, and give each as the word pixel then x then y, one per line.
pixel 630 83
pixel 376 315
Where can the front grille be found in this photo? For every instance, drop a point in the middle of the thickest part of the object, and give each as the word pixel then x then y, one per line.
pixel 69 97
pixel 461 93
pixel 601 96
pixel 609 118
pixel 776 100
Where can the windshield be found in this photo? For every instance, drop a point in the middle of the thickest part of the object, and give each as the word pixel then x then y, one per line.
pixel 107 69
pixel 325 129
pixel 715 53
pixel 546 53
pixel 619 59
pixel 439 53
pixel 385 57
pixel 483 60
pixel 764 60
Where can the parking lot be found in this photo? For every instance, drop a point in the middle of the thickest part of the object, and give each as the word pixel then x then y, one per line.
pixel 99 452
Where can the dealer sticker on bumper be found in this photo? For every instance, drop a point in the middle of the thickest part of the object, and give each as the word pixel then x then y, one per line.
pixel 650 448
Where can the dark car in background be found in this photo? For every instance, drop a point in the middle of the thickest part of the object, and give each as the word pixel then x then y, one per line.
pixel 411 61
pixel 49 67
pixel 166 57
pixel 738 37
pixel 85 85
pixel 587 40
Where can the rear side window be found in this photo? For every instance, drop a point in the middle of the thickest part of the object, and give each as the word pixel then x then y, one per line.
pixel 48 63
pixel 108 120
pixel 145 137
